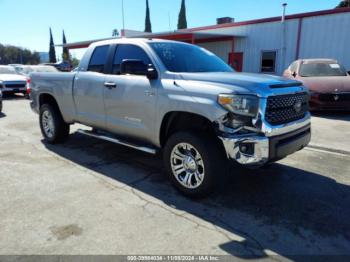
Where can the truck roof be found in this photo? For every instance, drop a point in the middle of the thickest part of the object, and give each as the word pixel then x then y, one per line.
pixel 132 40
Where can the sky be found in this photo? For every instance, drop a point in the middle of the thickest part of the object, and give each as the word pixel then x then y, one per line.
pixel 26 23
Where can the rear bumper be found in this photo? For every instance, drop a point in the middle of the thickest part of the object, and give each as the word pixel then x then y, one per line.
pixel 7 90
pixel 257 150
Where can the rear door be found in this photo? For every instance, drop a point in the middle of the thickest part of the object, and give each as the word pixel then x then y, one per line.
pixel 89 89
pixel 130 102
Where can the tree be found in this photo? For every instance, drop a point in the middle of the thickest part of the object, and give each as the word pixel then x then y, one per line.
pixel 52 52
pixel 115 33
pixel 344 3
pixel 182 23
pixel 16 55
pixel 75 62
pixel 148 25
pixel 65 54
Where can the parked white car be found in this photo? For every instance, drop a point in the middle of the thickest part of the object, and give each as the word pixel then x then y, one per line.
pixel 26 70
pixel 11 82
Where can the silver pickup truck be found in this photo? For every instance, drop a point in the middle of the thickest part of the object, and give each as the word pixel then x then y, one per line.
pixel 179 99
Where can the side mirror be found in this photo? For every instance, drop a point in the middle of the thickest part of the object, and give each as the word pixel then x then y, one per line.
pixel 349 72
pixel 294 74
pixel 152 73
pixel 138 67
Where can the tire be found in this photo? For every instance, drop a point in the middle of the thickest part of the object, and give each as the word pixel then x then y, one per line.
pixel 207 174
pixel 26 95
pixel 52 125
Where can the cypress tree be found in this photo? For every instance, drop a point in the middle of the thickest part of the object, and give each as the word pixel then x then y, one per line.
pixel 182 23
pixel 52 52
pixel 148 26
pixel 65 55
pixel 344 3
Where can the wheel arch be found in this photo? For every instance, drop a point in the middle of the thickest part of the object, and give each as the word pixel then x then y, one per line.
pixel 176 121
pixel 47 98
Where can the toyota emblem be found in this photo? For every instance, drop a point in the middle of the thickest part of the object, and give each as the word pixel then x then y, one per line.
pixel 298 106
pixel 336 98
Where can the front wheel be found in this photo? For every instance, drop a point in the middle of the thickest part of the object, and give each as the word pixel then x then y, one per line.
pixel 194 163
pixel 52 125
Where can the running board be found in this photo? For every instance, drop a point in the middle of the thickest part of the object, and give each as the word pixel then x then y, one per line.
pixel 117 141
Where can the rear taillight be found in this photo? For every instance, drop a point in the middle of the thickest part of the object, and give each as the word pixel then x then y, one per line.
pixel 28 85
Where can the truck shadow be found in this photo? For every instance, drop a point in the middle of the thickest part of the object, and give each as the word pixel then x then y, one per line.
pixel 279 208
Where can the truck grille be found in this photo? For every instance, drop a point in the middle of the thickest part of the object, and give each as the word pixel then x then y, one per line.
pixel 286 108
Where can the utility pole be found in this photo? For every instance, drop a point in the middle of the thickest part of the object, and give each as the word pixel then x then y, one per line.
pixel 284 35
pixel 169 19
pixel 123 17
pixel 284 12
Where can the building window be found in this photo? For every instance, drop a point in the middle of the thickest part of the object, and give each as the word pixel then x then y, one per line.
pixel 268 61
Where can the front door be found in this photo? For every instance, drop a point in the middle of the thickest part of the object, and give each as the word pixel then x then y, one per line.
pixel 130 103
pixel 235 60
pixel 88 90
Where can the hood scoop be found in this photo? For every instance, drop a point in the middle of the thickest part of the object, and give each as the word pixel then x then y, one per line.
pixel 285 85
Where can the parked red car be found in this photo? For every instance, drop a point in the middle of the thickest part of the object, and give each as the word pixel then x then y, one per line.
pixel 327 80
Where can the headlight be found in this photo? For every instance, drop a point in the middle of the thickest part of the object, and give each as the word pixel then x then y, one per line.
pixel 246 105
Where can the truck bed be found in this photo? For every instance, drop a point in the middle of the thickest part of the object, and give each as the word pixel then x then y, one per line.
pixel 59 85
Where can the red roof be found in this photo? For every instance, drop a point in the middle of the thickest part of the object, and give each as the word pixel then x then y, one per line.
pixel 188 34
pixel 272 19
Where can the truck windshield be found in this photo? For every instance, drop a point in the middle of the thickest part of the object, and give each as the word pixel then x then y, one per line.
pixel 183 58
pixel 322 69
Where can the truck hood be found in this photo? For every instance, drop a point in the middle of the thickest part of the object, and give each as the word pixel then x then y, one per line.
pixel 11 77
pixel 245 81
pixel 332 84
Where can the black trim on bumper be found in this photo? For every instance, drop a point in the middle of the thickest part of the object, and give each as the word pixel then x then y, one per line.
pixel 284 145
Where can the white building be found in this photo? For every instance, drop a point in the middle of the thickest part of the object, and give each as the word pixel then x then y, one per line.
pixel 268 45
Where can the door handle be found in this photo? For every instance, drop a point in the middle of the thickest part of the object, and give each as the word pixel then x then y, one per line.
pixel 110 85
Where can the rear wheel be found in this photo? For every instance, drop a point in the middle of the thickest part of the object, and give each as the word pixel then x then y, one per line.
pixel 194 163
pixel 52 125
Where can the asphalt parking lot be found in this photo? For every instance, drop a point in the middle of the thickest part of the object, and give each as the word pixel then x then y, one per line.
pixel 94 197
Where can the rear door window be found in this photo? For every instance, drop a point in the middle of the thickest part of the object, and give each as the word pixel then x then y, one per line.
pixel 98 59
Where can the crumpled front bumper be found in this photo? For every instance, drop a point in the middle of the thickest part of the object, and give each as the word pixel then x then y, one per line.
pixel 259 149
pixel 234 145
